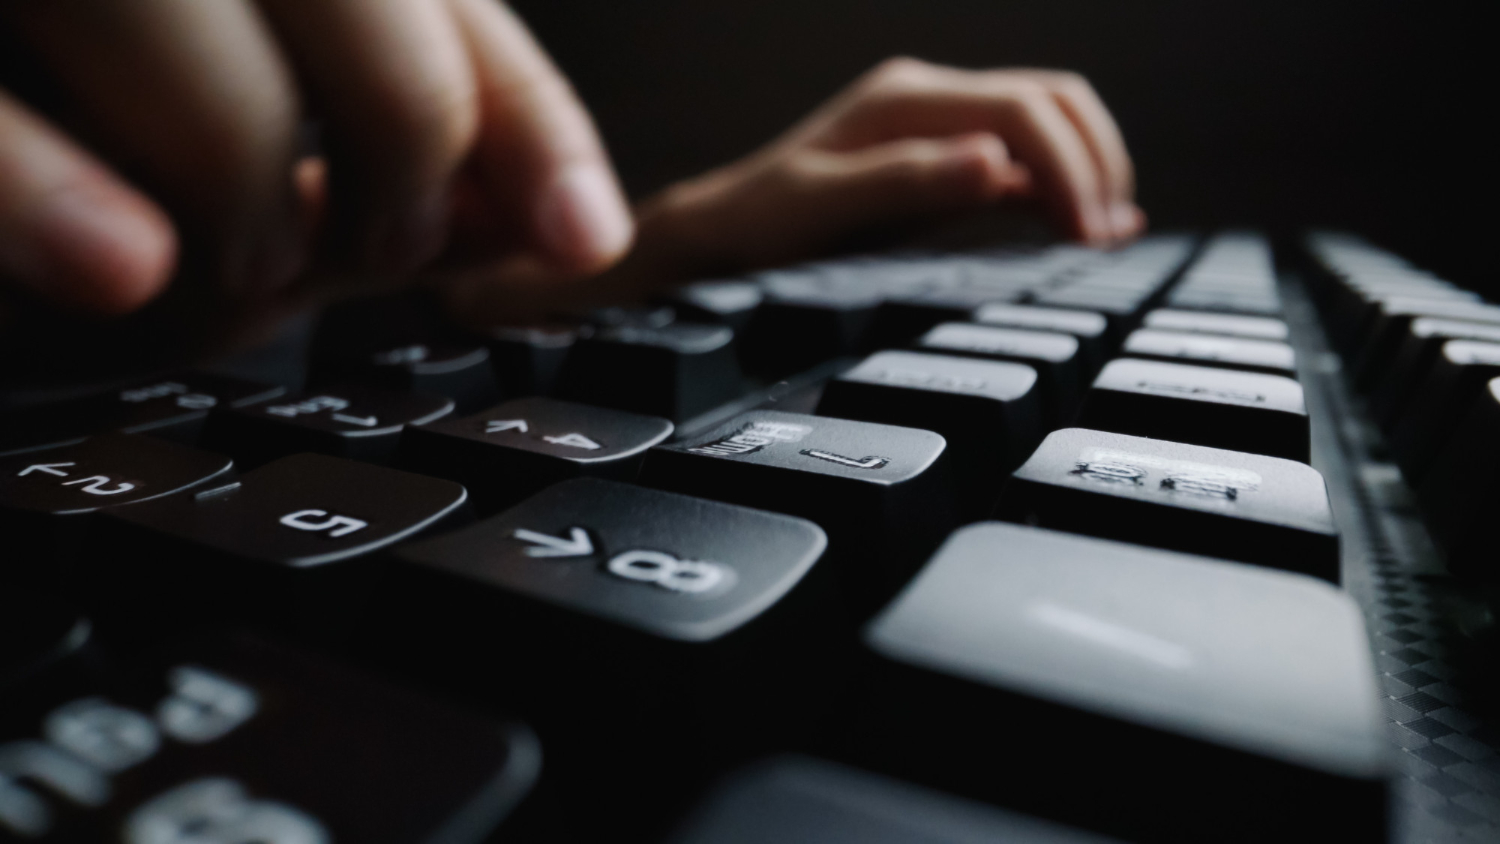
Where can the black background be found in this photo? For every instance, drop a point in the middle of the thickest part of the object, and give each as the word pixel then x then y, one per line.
pixel 1277 114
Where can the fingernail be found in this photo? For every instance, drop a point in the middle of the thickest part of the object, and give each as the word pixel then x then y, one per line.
pixel 582 217
pixel 1125 219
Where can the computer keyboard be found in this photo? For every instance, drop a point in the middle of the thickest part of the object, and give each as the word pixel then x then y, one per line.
pixel 1182 542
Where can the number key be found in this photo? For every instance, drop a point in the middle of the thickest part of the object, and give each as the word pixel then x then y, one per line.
pixel 360 423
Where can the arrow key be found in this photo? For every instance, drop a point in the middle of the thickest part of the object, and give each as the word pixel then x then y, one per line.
pixel 46 495
pixel 517 448
pixel 360 423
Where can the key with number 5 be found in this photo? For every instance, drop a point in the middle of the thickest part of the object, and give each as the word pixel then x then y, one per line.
pixel 274 536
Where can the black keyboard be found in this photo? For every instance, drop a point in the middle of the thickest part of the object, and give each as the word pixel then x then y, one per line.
pixel 1182 542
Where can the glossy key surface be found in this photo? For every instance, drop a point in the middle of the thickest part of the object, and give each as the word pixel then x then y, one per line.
pixel 1268 356
pixel 1229 325
pixel 1202 405
pixel 1246 687
pixel 1089 328
pixel 1053 355
pixel 357 422
pixel 515 449
pixel 677 371
pixel 1247 507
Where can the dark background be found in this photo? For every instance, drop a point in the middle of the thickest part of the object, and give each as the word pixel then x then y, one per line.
pixel 1274 114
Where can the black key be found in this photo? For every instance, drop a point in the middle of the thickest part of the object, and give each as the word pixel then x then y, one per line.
pixel 173 407
pixel 243 742
pixel 1266 356
pixel 880 491
pixel 270 539
pixel 1454 382
pixel 1227 689
pixel 46 495
pixel 806 319
pixel 360 423
pixel 1458 494
pixel 1247 507
pixel 515 449
pixel 1266 304
pixel 903 318
pixel 1391 393
pixel 800 800
pixel 1357 307
pixel 36 633
pixel 1054 356
pixel 461 372
pixel 1089 328
pixel 731 303
pixel 529 359
pixel 1229 325
pixel 1123 310
pixel 679 370
pixel 1202 405
pixel 988 411
pixel 1390 324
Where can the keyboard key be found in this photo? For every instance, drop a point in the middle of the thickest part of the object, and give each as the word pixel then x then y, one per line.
pixel 250 546
pixel 880 491
pixel 515 449
pixel 45 495
pixel 360 423
pixel 1386 329
pixel 245 742
pixel 1244 688
pixel 988 411
pixel 805 320
pixel 800 800
pixel 1233 352
pixel 731 303
pixel 1122 310
pixel 529 359
pixel 1247 507
pixel 1457 493
pixel 173 407
pixel 677 371
pixel 1391 393
pixel 668 565
pixel 1266 304
pixel 1229 325
pixel 459 372
pixel 1202 405
pixel 904 318
pixel 1089 328
pixel 1054 356
pixel 1454 382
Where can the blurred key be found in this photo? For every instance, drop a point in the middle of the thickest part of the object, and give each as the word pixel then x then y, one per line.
pixel 904 318
pixel 1267 356
pixel 731 303
pixel 360 423
pixel 1458 493
pixel 268 540
pixel 1223 689
pixel 172 407
pixel 46 495
pixel 800 800
pixel 515 449
pixel 1229 325
pixel 1391 393
pixel 988 411
pixel 1089 328
pixel 1454 382
pixel 805 320
pixel 677 371
pixel 1202 405
pixel 1054 356
pixel 1247 507
pixel 1388 326
pixel 244 742
pixel 459 372
pixel 528 359
pixel 880 491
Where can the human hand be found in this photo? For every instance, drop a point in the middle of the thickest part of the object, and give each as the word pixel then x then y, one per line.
pixel 907 139
pixel 184 157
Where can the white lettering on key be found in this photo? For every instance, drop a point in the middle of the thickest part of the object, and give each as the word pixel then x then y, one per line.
pixel 495 426
pixel 155 391
pixel 335 525
pixel 203 705
pixel 217 810
pixel 109 737
pixel 49 468
pixel 312 405
pixel 574 441
pixel 543 545
pixel 693 577
pixel 96 485
pixel 362 421
pixel 866 463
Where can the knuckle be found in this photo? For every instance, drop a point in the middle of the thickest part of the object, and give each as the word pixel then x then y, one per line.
pixel 900 72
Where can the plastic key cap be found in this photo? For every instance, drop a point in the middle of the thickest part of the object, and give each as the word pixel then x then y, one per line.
pixel 360 423
pixel 1202 405
pixel 1228 325
pixel 1089 328
pixel 1267 356
pixel 677 371
pixel 1247 507
pixel 1054 356
pixel 1229 688
pixel 1454 382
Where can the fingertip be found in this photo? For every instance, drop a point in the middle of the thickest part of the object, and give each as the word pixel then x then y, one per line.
pixel 582 221
pixel 101 249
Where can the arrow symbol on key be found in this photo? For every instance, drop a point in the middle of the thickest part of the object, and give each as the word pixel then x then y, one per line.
pixel 49 468
pixel 495 426
pixel 363 421
pixel 867 463
pixel 544 545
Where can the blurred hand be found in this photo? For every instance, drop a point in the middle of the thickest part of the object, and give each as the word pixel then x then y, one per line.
pixel 907 139
pixel 184 152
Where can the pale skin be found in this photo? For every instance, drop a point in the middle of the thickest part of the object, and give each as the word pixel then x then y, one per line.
pixel 454 154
